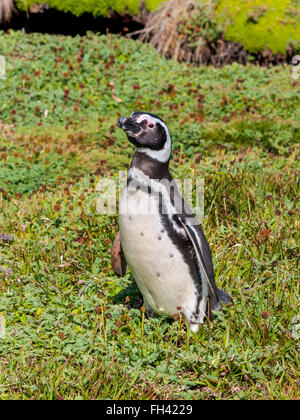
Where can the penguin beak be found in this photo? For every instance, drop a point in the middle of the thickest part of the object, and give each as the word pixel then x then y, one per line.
pixel 128 124
pixel 121 122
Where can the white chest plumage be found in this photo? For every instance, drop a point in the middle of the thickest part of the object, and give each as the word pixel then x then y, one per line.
pixel 158 266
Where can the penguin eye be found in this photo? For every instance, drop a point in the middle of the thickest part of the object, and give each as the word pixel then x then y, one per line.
pixel 143 124
pixel 150 125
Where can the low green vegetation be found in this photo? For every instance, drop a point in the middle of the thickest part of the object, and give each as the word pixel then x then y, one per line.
pixel 72 328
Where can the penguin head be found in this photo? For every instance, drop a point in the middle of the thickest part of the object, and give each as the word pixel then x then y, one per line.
pixel 148 133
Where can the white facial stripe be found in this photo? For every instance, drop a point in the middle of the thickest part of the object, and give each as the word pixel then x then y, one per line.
pixel 164 154
pixel 145 117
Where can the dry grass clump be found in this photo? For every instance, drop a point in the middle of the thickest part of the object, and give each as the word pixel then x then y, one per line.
pixel 162 30
pixel 192 32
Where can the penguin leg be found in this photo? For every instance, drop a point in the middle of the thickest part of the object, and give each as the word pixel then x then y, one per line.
pixel 118 260
pixel 195 317
pixel 195 321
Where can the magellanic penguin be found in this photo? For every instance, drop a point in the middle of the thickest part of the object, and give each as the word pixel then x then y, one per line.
pixel 160 238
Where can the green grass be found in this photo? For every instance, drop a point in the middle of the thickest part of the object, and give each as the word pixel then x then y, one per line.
pixel 74 329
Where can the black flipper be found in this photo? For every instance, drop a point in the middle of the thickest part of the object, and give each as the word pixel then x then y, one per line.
pixel 218 298
pixel 193 238
pixel 223 297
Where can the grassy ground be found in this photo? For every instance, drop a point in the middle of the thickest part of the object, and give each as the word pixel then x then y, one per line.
pixel 75 330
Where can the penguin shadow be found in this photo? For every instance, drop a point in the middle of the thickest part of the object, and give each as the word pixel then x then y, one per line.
pixel 130 296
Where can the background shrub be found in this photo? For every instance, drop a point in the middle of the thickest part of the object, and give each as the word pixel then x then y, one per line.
pixel 259 24
pixel 96 7
pixel 256 24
